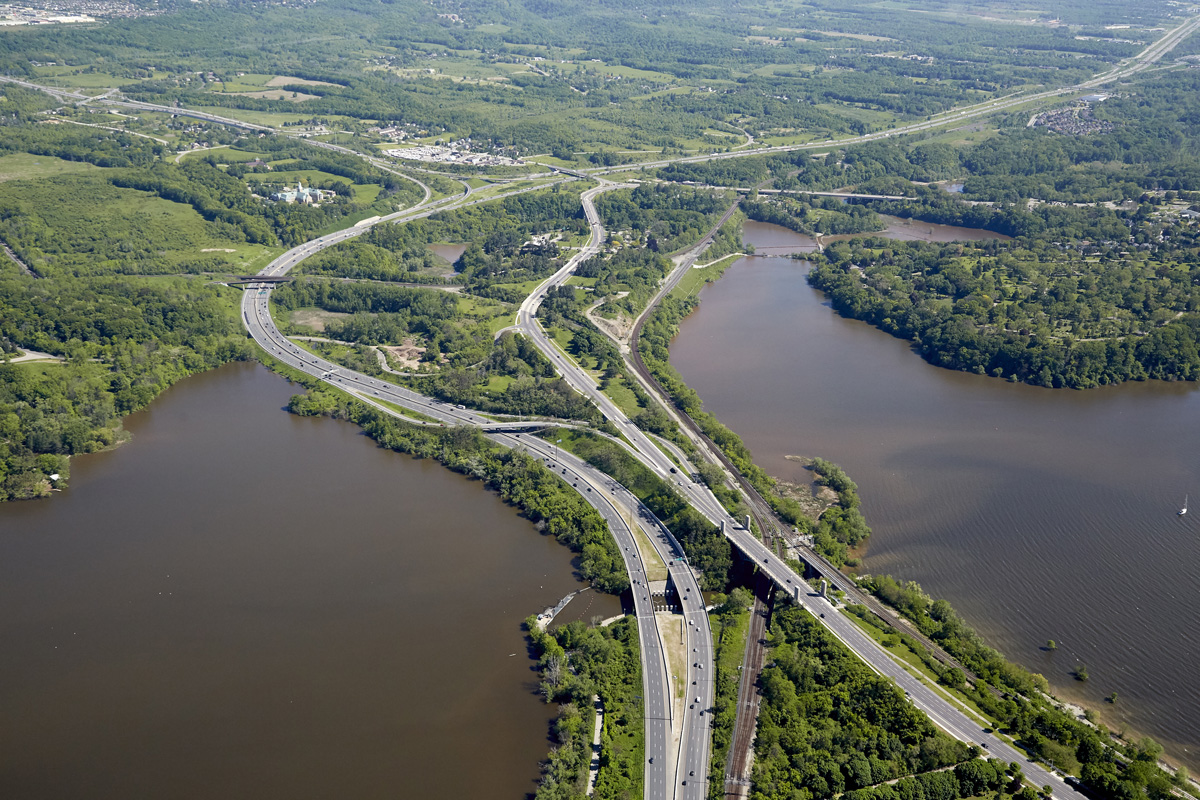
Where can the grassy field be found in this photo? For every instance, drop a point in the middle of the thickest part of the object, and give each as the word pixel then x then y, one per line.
pixel 224 155
pixel 313 318
pixel 269 118
pixel 20 166
pixel 293 175
pixel 619 392
pixel 497 315
pixel 498 383
pixel 525 287
pixel 86 224
pixel 696 279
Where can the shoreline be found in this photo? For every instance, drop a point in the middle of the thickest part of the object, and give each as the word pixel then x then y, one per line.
pixel 1072 705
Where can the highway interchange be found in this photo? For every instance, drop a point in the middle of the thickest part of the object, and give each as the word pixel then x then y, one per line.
pixel 669 772
pixel 691 760
pixel 618 506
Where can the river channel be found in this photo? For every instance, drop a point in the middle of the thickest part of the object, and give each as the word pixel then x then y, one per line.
pixel 1040 514
pixel 241 603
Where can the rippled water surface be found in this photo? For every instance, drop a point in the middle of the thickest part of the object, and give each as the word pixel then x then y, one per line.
pixel 241 603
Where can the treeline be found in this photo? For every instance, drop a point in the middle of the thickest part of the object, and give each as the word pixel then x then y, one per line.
pixel 76 143
pixel 842 526
pixel 360 259
pixel 1018 317
pixel 534 389
pixel 519 479
pixel 463 354
pixel 81 225
pixel 278 148
pixel 851 166
pixel 218 195
pixel 124 341
pixel 729 615
pixel 576 662
pixel 496 234
pixel 635 272
pixel 1110 769
pixel 975 778
pixel 820 215
pixel 414 309
pixel 665 217
pixel 1041 223
pixel 939 621
pixel 213 194
pixel 772 82
pixel 18 104
pixel 829 724
pixel 839 529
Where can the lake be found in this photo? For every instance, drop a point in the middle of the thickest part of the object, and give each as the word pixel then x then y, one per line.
pixel 242 603
pixel 1040 514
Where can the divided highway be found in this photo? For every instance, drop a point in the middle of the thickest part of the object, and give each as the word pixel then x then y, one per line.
pixel 696 738
pixel 669 773
pixel 691 760
pixel 615 503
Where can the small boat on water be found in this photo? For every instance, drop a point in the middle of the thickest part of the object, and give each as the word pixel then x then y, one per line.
pixel 1183 510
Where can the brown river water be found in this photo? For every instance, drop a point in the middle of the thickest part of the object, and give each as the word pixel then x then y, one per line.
pixel 1040 514
pixel 241 603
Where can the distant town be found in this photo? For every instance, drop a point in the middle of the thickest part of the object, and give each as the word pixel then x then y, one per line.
pixel 438 154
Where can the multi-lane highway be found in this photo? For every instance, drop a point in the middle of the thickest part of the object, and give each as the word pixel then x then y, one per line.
pixel 695 737
pixel 618 507
pixel 669 773
pixel 1143 60
pixel 665 767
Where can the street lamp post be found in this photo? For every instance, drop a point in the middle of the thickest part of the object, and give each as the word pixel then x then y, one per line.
pixel 556 443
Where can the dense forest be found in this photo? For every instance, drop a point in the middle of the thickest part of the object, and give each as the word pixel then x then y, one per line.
pixel 663 217
pixel 816 216
pixel 603 77
pixel 576 662
pixel 830 725
pixel 1004 312
pixel 121 342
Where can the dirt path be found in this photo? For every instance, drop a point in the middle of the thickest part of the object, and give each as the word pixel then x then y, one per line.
pixel 24 267
pixel 33 355
pixel 619 328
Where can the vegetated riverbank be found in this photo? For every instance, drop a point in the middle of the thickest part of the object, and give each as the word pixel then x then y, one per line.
pixel 1018 505
pixel 123 340
pixel 1018 703
pixel 515 476
pixel 228 608
pixel 838 529
pixel 575 661
pixel 1083 297
pixel 1110 780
